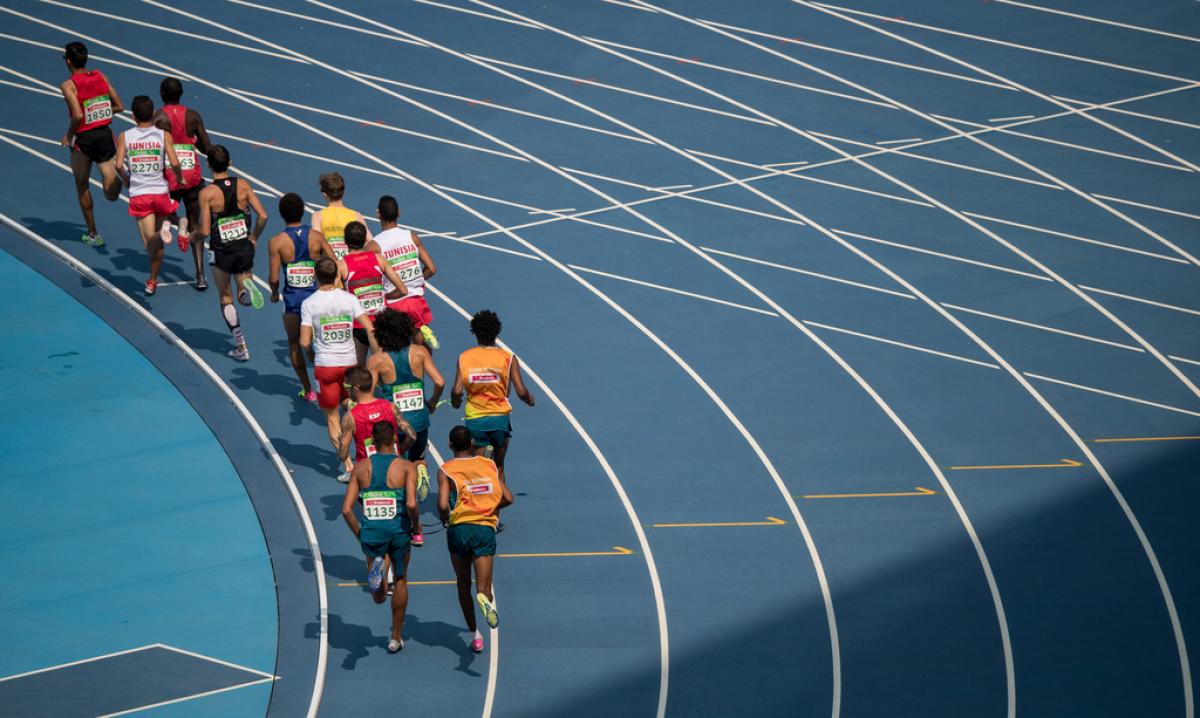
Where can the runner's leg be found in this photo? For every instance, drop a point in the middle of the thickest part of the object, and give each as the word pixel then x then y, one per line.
pixel 81 168
pixel 228 310
pixel 148 227
pixel 109 179
pixel 498 454
pixel 291 325
pixel 462 575
pixel 400 602
pixel 191 204
pixel 380 595
pixel 483 576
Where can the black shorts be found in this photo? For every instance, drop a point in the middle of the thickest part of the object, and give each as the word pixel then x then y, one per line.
pixel 416 452
pixel 360 336
pixel 97 143
pixel 238 259
pixel 188 195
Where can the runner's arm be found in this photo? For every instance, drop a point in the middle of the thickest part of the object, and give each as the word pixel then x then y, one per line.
pixel 161 121
pixel 410 494
pixel 195 124
pixel 348 502
pixel 120 158
pixel 370 237
pixel 439 383
pixel 74 111
pixel 428 268
pixel 346 438
pixel 518 384
pixel 370 325
pixel 204 226
pixel 260 214
pixel 273 276
pixel 443 496
pixel 456 393
pixel 117 106
pixel 172 158
pixel 317 240
pixel 306 327
pixel 400 290
pixel 506 498
pixel 410 436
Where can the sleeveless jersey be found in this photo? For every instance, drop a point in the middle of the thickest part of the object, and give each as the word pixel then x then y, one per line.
pixel 333 224
pixel 407 392
pixel 400 251
pixel 91 87
pixel 185 148
pixel 146 156
pixel 299 278
pixel 230 226
pixel 484 372
pixel 384 514
pixel 475 493
pixel 364 279
pixel 365 417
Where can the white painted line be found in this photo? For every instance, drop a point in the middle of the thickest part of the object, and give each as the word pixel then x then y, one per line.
pixel 194 696
pixel 1185 360
pixel 1155 208
pixel 1077 238
pixel 1114 395
pixel 1163 305
pixel 1010 119
pixel 899 142
pixel 807 273
pixel 82 661
pixel 672 290
pixel 1131 113
pixel 328 23
pixel 180 283
pixel 28 88
pixel 952 257
pixel 1042 327
pixel 668 188
pixel 259 144
pixel 467 11
pixel 776 165
pixel 218 661
pixel 562 210
pixel 903 345
pixel 1102 21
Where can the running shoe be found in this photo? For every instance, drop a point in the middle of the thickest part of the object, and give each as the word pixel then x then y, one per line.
pixel 184 240
pixel 151 287
pixel 489 610
pixel 375 575
pixel 256 297
pixel 488 451
pixel 430 338
pixel 240 353
pixel 422 482
pixel 500 527
pixel 310 396
pixel 92 240
pixel 165 233
pixel 395 646
pixel 477 645
pixel 201 283
pixel 344 477
pixel 418 540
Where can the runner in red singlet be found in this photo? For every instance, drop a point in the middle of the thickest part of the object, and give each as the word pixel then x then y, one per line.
pixel 368 410
pixel 187 129
pixel 91 102
pixel 362 272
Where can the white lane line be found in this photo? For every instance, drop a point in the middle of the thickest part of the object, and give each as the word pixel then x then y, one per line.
pixel 668 188
pixel 1163 305
pixel 1042 327
pixel 858 55
pixel 943 255
pixel 903 345
pixel 468 11
pixel 1063 143
pixel 1185 360
pixel 560 210
pixel 1076 237
pixel 1114 395
pixel 673 290
pixel 264 145
pixel 328 23
pixel 503 108
pixel 218 661
pixel 81 661
pixel 906 140
pixel 808 273
pixel 1102 21
pixel 741 73
pixel 314 546
pixel 373 123
pixel 936 161
pixel 1131 113
pixel 1004 43
pixel 615 88
pixel 1010 119
pixel 1155 208
pixel 28 88
pixel 139 709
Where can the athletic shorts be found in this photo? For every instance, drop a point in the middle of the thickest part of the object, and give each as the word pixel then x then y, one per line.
pixel 490 430
pixel 471 540
pixel 159 205
pixel 416 452
pixel 398 547
pixel 237 260
pixel 292 299
pixel 360 336
pixel 97 143
pixel 415 307
pixel 188 194
pixel 331 385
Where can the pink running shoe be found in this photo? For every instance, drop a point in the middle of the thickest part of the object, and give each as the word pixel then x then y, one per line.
pixel 310 397
pixel 418 540
pixel 477 645
pixel 185 240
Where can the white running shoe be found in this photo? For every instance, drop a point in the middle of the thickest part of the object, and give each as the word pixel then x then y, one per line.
pixel 395 646
pixel 240 353
pixel 165 232
pixel 344 477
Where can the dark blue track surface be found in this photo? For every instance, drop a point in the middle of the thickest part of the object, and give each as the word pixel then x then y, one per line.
pixel 884 326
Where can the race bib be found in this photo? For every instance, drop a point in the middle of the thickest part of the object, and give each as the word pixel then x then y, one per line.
pixel 485 488
pixel 335 329
pixel 97 109
pixel 371 297
pixel 379 505
pixel 301 275
pixel 145 162
pixel 407 267
pixel 187 156
pixel 483 376
pixel 409 397
pixel 369 446
pixel 338 245
pixel 231 229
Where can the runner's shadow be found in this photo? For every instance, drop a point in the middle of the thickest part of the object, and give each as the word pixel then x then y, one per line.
pixel 59 231
pixel 201 338
pixel 132 260
pixel 333 505
pixel 320 459
pixel 341 567
pixel 350 637
pixel 439 634
pixel 129 285
pixel 245 379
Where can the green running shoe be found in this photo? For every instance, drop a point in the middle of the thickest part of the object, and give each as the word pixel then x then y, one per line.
pixel 256 297
pixel 92 241
pixel 430 338
pixel 422 483
pixel 489 610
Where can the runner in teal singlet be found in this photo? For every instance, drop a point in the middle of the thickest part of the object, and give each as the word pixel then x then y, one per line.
pixel 386 485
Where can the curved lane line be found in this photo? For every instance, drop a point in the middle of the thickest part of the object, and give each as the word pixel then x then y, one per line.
pixel 313 546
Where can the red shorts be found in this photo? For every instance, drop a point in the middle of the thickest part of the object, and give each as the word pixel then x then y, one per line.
pixel 416 307
pixel 331 385
pixel 159 205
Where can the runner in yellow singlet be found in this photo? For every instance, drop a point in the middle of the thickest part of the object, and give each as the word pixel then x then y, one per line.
pixel 331 221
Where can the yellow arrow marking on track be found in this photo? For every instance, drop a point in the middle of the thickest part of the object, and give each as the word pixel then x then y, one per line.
pixel 1064 464
pixel 1146 438
pixel 771 521
pixel 617 551
pixel 920 491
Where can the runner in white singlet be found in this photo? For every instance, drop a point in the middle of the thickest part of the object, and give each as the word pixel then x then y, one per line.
pixel 409 259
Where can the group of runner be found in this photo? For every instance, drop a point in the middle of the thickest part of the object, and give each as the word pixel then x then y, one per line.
pixel 353 304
